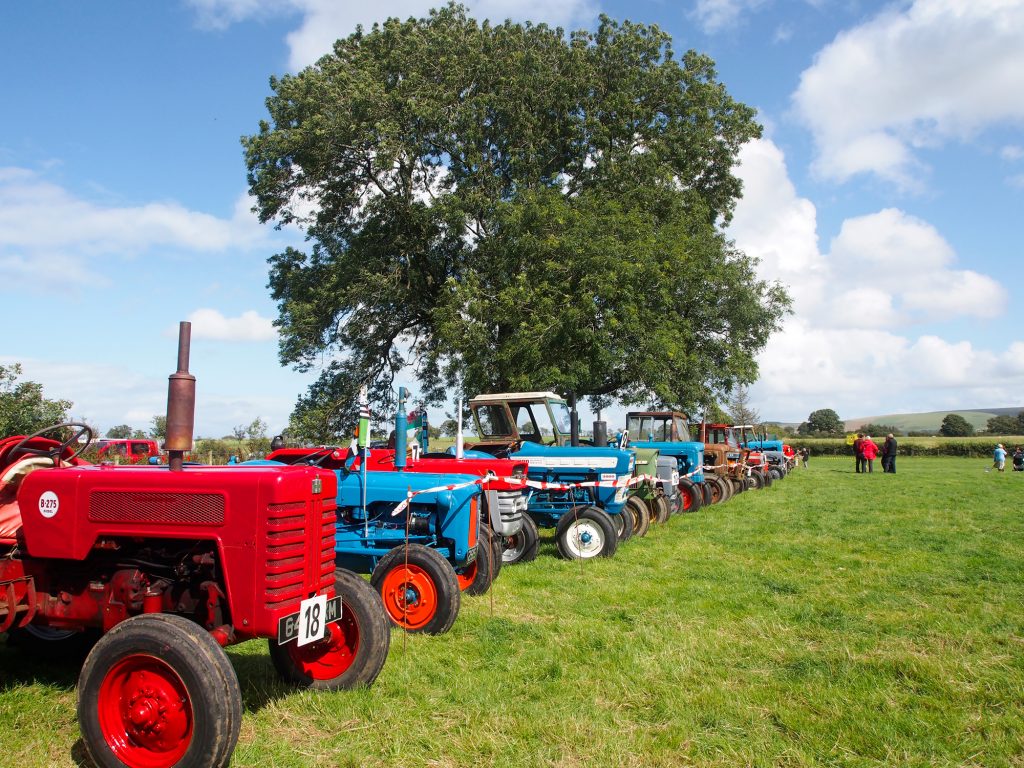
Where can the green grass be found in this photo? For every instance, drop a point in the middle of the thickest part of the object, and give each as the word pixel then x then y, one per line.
pixel 832 619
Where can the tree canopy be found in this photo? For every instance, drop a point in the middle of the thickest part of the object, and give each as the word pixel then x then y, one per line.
pixel 822 422
pixel 1005 425
pixel 955 425
pixel 23 409
pixel 510 207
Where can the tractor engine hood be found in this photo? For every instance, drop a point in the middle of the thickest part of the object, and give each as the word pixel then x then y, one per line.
pixel 552 458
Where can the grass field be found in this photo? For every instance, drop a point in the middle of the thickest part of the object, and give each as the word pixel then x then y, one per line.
pixel 829 620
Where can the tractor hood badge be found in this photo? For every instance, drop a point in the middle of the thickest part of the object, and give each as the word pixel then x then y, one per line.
pixel 318 485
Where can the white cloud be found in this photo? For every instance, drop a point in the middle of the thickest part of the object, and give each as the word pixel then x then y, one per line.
pixel 50 237
pixel 324 21
pixel 914 77
pixel 850 344
pixel 1012 153
pixel 717 15
pixel 211 324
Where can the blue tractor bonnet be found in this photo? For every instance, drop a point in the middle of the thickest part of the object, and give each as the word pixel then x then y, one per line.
pixel 569 460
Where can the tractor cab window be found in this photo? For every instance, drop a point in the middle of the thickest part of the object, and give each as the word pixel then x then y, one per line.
pixel 639 428
pixel 526 424
pixel 562 418
pixel 682 430
pixel 492 421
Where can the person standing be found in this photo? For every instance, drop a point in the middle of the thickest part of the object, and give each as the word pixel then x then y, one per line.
pixel 999 458
pixel 858 451
pixel 889 454
pixel 870 451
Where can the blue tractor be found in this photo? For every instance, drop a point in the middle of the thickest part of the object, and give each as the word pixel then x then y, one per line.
pixel 669 433
pixel 421 551
pixel 580 491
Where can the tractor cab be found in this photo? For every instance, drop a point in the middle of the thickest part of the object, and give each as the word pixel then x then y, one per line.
pixel 509 419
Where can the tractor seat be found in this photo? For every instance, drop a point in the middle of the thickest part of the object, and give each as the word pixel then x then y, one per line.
pixel 10 512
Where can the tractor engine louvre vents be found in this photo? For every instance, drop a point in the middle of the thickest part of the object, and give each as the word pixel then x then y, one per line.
pixel 156 507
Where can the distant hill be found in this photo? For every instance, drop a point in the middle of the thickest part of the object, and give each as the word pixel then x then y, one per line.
pixel 932 420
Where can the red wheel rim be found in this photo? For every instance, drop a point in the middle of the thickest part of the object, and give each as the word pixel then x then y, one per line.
pixel 687 499
pixel 145 712
pixel 410 597
pixel 467 575
pixel 331 657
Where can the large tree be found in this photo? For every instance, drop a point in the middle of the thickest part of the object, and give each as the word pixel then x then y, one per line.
pixel 23 409
pixel 955 425
pixel 508 207
pixel 822 422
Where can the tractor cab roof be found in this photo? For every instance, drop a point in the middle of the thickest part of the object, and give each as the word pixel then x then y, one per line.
pixel 506 397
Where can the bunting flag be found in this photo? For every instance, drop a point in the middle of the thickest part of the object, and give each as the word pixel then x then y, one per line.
pixel 363 432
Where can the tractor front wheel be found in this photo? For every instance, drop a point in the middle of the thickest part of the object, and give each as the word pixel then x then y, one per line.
pixel 419 588
pixel 705 491
pixel 522 547
pixel 756 480
pixel 477 577
pixel 354 649
pixel 641 515
pixel 624 525
pixel 585 533
pixel 693 496
pixel 157 691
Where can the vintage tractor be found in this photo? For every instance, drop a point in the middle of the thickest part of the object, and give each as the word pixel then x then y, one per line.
pixel 669 433
pixel 416 532
pixel 157 568
pixel 728 459
pixel 780 457
pixel 581 491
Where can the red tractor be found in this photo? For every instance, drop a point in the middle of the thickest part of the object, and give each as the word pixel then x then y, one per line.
pixel 156 568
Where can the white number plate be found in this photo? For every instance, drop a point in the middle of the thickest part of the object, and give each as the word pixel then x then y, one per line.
pixel 310 623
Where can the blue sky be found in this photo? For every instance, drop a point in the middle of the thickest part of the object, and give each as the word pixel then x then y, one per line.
pixel 887 193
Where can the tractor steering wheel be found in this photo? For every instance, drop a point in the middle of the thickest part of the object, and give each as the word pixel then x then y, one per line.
pixel 54 454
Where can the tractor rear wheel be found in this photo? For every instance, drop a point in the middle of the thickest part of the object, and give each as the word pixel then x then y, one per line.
pixel 157 691
pixel 522 547
pixel 641 515
pixel 419 589
pixel 354 650
pixel 584 533
pixel 693 497
pixel 53 645
pixel 477 577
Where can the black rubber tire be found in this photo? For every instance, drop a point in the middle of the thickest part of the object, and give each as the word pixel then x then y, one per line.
pixel 623 523
pixel 766 478
pixel 659 513
pixel 522 548
pixel 693 496
pixel 775 474
pixel 430 564
pixel 53 645
pixel 481 573
pixel 641 515
pixel 705 491
pixel 721 489
pixel 756 480
pixel 363 625
pixel 591 520
pixel 201 666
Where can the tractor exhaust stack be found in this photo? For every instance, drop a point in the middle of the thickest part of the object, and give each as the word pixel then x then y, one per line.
pixel 181 403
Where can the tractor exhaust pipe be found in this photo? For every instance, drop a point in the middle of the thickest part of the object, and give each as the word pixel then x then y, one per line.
pixel 181 403
pixel 574 422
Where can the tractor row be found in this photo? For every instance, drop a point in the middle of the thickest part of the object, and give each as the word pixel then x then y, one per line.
pixel 149 571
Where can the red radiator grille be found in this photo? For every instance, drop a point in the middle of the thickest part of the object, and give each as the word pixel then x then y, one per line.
pixel 299 550
pixel 155 507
